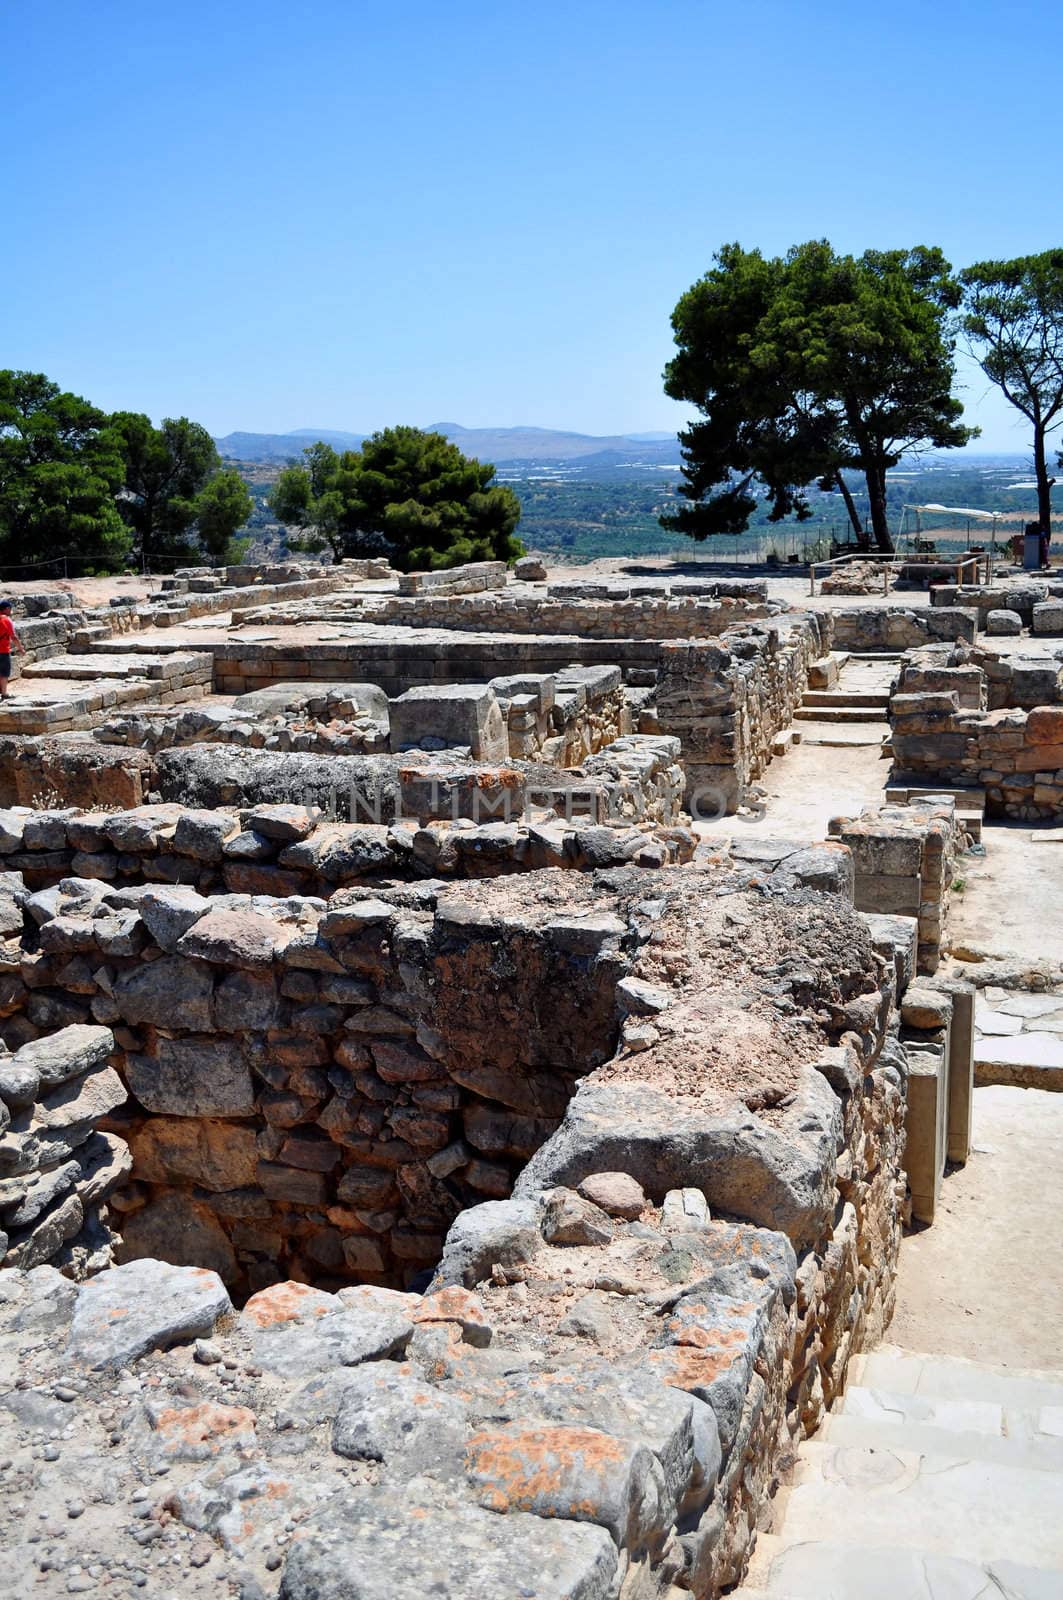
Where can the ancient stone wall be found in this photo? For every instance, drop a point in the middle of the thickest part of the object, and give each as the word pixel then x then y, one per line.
pixel 982 678
pixel 557 718
pixel 628 810
pixel 56 1165
pixel 88 692
pixel 1015 755
pixel 903 863
pixel 320 1090
pixel 1018 595
pixel 726 702
pixel 892 628
pixel 529 611
pixel 473 578
pixel 561 1197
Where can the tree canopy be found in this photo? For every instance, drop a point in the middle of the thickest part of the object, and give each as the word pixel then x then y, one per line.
pixel 76 481
pixel 803 366
pixel 1014 321
pixel 60 469
pixel 222 506
pixel 166 470
pixel 407 494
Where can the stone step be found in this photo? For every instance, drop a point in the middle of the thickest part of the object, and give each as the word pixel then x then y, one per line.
pixel 843 713
pixel 1015 1444
pixel 1032 1059
pixel 847 697
pixel 900 1371
pixel 900 794
pixel 835 1571
pixel 841 735
pixel 939 1504
pixel 785 740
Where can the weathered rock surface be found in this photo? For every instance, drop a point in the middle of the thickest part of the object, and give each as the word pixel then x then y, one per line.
pixel 145 1305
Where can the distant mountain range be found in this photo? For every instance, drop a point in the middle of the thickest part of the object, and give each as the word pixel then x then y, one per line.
pixel 504 446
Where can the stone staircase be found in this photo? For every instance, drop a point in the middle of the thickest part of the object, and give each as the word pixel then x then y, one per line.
pixel 846 688
pixel 847 699
pixel 935 1479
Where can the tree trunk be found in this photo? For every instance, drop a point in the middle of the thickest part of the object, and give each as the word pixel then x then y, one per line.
pixel 1044 482
pixel 850 506
pixel 876 493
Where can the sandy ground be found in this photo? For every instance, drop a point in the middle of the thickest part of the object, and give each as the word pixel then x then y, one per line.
pixel 87 591
pixel 986 1281
pixel 804 789
pixel 1012 897
pixel 98 591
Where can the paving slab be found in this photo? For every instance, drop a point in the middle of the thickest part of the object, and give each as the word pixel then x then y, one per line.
pixel 997 1023
pixel 937 1504
pixel 838 1572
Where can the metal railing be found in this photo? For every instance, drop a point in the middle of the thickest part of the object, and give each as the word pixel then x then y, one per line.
pixel 889 563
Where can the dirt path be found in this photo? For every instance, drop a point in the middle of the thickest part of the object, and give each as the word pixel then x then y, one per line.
pixel 1012 897
pixel 986 1281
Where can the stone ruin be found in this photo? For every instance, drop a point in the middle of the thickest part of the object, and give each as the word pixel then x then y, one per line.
pixel 428 1165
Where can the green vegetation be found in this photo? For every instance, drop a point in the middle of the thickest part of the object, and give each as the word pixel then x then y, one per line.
pixel 803 366
pixel 61 467
pixel 1014 319
pixel 76 482
pixel 223 506
pixel 575 520
pixel 406 494
pixel 176 501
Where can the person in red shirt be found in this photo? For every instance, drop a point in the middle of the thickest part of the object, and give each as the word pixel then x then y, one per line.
pixel 8 637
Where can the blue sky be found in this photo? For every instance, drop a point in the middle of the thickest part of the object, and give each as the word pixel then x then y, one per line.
pixel 346 214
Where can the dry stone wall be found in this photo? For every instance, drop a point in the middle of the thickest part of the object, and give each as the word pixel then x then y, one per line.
pixel 589 611
pixel 520 1223
pixel 1017 595
pixel 1017 756
pixel 609 1367
pixel 290 849
pixel 893 628
pixel 983 679
pixel 726 702
pixel 1013 751
pixel 57 1168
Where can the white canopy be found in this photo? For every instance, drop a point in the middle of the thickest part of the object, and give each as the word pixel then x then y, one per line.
pixel 962 511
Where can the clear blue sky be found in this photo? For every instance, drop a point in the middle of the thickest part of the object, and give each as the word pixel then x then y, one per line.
pixel 347 214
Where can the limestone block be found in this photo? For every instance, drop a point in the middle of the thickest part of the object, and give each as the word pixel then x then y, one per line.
pixel 168 912
pixel 394 1417
pixel 1035 682
pixel 924 1151
pixel 234 938
pixel 569 1219
pixel 617 1194
pixel 193 1077
pixel 169 993
pixel 43 1063
pixel 448 1549
pixel 772 1176
pixel 182 1231
pixel 1003 624
pixel 214 1155
pixel 574 1472
pixel 1044 726
pixel 466 715
pixel 889 894
pixel 1048 619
